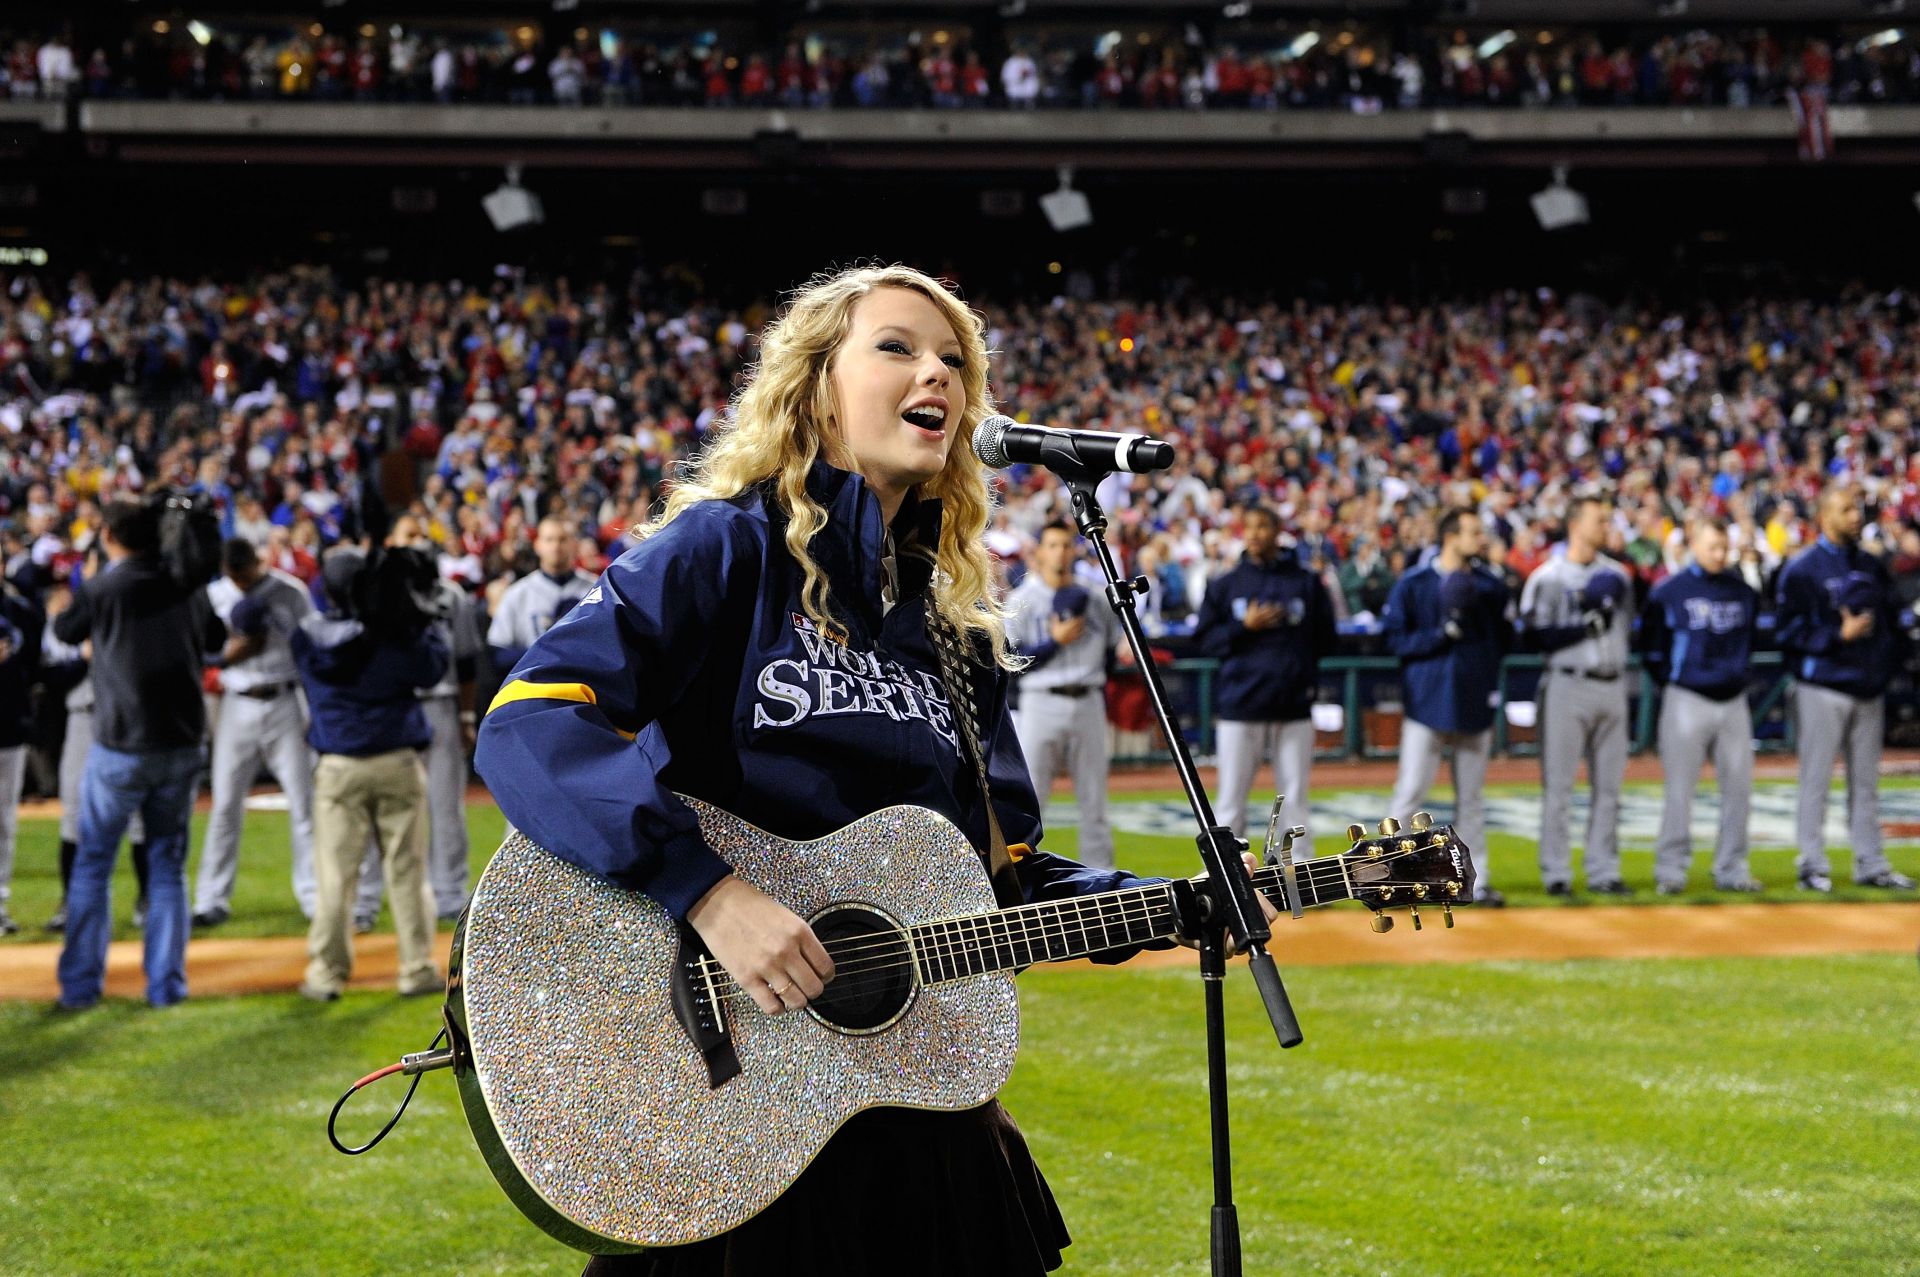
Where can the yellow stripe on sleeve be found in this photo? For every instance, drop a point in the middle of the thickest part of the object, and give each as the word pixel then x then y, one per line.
pixel 522 690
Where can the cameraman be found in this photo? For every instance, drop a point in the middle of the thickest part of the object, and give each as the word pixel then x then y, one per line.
pixel 151 635
pixel 363 665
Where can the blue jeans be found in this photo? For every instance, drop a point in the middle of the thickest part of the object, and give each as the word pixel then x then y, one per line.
pixel 159 785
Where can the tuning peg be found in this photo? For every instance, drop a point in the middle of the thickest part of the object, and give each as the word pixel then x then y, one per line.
pixel 1381 923
pixel 1422 821
pixel 1389 827
pixel 1446 910
pixel 1415 911
pixel 1355 833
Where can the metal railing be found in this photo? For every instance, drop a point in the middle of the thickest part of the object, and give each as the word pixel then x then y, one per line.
pixel 1353 678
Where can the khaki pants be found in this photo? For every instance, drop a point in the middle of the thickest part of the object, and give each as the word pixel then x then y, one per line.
pixel 383 797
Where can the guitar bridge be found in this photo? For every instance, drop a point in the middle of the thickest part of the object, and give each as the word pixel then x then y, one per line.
pixel 701 1010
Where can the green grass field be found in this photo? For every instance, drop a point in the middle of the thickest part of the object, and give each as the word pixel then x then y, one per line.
pixel 1675 1117
pixel 1714 1117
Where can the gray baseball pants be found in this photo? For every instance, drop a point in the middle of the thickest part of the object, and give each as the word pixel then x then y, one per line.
pixel 1421 748
pixel 1833 725
pixel 1069 733
pixel 1581 719
pixel 1693 729
pixel 253 731
pixel 1241 747
pixel 73 766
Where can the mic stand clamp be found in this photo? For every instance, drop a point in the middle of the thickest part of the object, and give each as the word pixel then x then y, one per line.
pixel 1226 902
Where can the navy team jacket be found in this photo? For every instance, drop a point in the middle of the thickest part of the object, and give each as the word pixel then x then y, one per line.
pixel 1697 632
pixel 691 668
pixel 1807 621
pixel 1267 676
pixel 1449 686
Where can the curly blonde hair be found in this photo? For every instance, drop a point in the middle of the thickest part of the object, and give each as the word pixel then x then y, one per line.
pixel 777 427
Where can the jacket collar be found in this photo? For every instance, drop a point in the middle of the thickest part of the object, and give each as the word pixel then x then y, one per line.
pixel 853 542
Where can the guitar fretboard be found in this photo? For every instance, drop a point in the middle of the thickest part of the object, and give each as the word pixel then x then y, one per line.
pixel 1054 930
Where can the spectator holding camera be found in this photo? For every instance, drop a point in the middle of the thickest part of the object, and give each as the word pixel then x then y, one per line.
pixel 1578 611
pixel 1447 620
pixel 151 636
pixel 1270 621
pixel 1066 635
pixel 363 665
pixel 1837 622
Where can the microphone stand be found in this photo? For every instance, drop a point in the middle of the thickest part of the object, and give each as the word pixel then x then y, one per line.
pixel 1227 902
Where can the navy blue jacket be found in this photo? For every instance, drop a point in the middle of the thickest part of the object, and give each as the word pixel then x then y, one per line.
pixel 1267 675
pixel 1697 632
pixel 691 668
pixel 362 695
pixel 1807 621
pixel 1449 686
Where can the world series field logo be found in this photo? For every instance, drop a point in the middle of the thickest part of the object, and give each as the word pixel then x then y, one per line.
pixel 1772 821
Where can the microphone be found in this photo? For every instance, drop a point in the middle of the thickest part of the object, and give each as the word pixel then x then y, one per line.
pixel 1001 441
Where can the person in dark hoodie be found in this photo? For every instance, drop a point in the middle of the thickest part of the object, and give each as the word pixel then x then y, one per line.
pixel 768 647
pixel 363 664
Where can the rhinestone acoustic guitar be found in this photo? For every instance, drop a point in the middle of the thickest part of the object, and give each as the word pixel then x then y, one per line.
pixel 627 1094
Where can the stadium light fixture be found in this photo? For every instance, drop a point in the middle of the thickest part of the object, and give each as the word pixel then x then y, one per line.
pixel 1066 208
pixel 1560 206
pixel 512 206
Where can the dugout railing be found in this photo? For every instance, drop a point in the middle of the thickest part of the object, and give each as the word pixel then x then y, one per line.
pixel 1366 690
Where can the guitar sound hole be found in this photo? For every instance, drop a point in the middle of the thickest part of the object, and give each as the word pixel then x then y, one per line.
pixel 873 971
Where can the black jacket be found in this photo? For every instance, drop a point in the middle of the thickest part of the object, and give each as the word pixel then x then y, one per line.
pixel 150 638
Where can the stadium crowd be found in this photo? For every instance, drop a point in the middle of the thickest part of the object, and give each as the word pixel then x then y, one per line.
pixel 305 404
pixel 1344 67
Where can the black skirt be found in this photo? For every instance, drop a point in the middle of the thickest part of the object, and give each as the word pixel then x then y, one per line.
pixel 895 1190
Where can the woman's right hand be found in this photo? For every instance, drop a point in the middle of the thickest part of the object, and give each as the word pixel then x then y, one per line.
pixel 767 948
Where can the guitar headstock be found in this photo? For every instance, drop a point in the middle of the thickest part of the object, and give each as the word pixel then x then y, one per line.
pixel 1395 868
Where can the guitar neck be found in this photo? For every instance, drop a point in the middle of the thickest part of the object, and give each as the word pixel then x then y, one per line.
pixel 1053 930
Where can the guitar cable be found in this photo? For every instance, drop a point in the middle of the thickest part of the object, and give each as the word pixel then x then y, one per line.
pixel 416 1065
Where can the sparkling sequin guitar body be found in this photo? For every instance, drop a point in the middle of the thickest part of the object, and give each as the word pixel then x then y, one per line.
pixel 626 1095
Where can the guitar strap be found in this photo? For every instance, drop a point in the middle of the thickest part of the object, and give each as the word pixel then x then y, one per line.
pixel 947 645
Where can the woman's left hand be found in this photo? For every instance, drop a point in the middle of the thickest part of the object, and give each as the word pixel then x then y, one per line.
pixel 1266 907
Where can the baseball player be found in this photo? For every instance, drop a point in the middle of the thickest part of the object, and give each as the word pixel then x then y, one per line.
pixel 261 721
pixel 1697 639
pixel 1270 621
pixel 1836 621
pixel 1577 608
pixel 533 603
pixel 1448 622
pixel 1062 719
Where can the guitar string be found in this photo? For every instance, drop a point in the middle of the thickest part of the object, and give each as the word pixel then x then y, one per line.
pixel 1327 871
pixel 943 953
pixel 858 979
pixel 946 952
pixel 999 926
